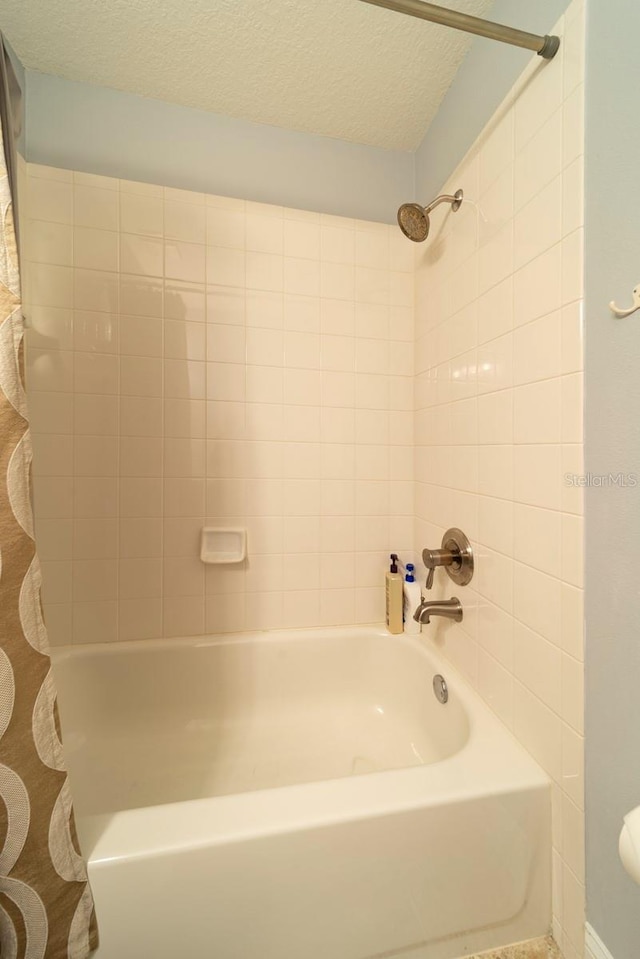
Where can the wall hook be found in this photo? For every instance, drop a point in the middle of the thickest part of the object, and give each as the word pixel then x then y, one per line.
pixel 636 305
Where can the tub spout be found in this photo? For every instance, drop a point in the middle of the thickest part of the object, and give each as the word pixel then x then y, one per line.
pixel 449 608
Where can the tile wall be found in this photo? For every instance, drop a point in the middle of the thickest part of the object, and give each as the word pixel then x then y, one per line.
pixel 198 360
pixel 499 364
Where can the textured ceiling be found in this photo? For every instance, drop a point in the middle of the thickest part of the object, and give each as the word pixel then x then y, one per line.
pixel 340 68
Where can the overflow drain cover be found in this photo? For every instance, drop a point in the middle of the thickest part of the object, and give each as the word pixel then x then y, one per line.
pixel 440 688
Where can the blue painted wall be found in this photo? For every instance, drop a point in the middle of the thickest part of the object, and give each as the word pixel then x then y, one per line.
pixel 612 270
pixel 21 77
pixel 98 130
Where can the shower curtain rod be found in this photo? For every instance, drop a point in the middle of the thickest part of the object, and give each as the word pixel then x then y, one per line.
pixel 546 46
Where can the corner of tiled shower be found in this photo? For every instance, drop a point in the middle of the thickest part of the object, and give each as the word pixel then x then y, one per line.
pixel 498 421
pixel 193 359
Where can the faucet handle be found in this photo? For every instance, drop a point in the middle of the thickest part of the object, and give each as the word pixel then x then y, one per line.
pixel 455 555
pixel 433 558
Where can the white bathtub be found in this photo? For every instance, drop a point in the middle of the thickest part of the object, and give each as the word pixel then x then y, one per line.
pixel 299 795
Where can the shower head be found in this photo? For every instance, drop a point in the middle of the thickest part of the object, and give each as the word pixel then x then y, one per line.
pixel 413 219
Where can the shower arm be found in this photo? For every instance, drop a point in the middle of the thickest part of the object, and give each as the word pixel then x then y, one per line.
pixel 546 46
pixel 455 202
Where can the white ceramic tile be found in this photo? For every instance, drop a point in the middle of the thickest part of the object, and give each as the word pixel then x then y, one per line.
pixel 96 373
pixel 495 579
pixel 539 161
pixel 140 416
pixel 337 243
pixel 537 601
pixel 188 301
pixel 535 412
pixel 140 578
pixel 495 685
pixel 573 126
pixel 573 693
pixel 264 234
pixel 184 340
pixel 538 100
pixel 572 609
pixel 265 272
pixel 94 207
pixel 95 622
pixel 95 332
pixel 54 323
pixel 49 285
pixel 50 200
pixel 301 276
pixel 496 471
pixel 184 261
pixel 302 350
pixel 494 264
pixel 140 296
pixel 538 538
pixel 573 266
pixel 493 367
pixel 225 228
pixel 573 550
pixel 495 524
pixel 495 418
pixel 95 580
pixel 573 765
pixel 302 239
pixel 52 454
pixel 140 537
pixel 538 728
pixel 538 476
pixel 496 151
pixel 49 242
pixel 184 221
pixel 51 412
pixel 139 618
pixel 141 335
pixel 301 313
pixel 141 255
pixel 141 214
pixel 495 311
pixel 572 408
pixel 140 497
pixel 337 281
pixel 140 456
pixel 95 497
pixel 139 376
pixel 184 497
pixel 538 225
pixel 185 379
pixel 263 310
pixel 572 345
pixel 573 197
pixel 537 286
pixel 138 188
pixel 183 616
pixel 226 267
pixel 95 456
pixel 95 249
pixel 537 350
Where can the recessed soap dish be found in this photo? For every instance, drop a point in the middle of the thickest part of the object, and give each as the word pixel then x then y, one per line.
pixel 223 544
